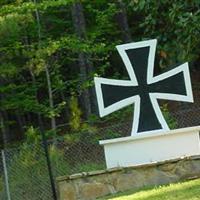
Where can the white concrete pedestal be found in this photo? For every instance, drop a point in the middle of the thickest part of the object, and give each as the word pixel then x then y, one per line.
pixel 150 148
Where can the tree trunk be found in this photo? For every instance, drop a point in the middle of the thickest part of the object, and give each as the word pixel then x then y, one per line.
pixel 122 22
pixel 79 25
pixel 19 122
pixel 4 131
pixel 49 85
pixel 4 127
pixel 39 117
pixel 50 93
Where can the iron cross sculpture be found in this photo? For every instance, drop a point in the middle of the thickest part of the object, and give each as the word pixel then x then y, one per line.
pixel 143 89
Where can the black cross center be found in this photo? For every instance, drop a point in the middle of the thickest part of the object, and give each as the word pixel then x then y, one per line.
pixel 172 85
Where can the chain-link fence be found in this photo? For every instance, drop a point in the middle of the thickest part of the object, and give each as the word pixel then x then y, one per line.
pixel 27 174
pixel 24 173
pixel 24 170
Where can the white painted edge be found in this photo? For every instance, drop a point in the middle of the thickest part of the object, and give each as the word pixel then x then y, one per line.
pixel 151 135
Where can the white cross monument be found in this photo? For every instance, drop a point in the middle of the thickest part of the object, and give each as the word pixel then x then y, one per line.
pixel 150 140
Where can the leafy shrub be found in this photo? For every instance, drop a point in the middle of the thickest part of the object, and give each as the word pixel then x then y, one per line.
pixel 171 121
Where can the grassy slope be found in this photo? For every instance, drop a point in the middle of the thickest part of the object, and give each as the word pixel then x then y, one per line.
pixel 189 190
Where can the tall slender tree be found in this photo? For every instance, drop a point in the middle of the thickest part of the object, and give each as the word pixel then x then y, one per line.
pixel 122 21
pixel 83 62
pixel 48 77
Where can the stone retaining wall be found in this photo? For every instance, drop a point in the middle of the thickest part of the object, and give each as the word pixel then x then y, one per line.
pixel 91 185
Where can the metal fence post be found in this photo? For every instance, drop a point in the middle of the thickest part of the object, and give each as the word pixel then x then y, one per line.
pixel 45 146
pixel 5 174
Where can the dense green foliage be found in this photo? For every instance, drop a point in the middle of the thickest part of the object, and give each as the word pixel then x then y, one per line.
pixel 51 50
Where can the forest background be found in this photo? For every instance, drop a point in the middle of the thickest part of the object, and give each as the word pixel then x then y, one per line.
pixel 50 52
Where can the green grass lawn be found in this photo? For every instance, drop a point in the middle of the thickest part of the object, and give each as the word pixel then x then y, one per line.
pixel 189 190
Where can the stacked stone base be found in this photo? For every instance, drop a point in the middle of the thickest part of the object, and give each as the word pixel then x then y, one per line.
pixel 91 185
